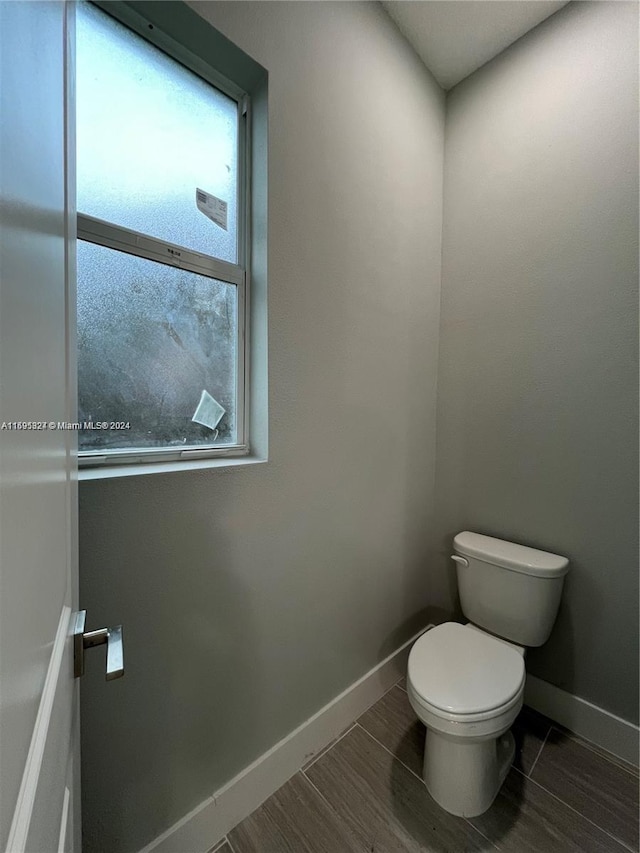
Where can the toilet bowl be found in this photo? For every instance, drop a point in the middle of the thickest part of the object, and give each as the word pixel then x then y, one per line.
pixel 467 687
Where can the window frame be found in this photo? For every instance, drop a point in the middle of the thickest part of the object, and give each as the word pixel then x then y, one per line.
pixel 113 236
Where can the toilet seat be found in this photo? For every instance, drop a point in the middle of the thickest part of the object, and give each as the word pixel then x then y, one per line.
pixel 460 674
pixel 489 723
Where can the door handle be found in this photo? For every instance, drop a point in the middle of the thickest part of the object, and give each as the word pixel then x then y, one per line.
pixel 82 640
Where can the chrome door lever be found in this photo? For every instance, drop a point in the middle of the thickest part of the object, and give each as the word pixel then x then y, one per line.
pixel 87 639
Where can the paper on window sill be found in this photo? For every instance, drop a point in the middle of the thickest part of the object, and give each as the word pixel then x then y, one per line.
pixel 209 412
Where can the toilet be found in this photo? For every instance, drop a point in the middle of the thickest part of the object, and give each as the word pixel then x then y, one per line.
pixel 466 682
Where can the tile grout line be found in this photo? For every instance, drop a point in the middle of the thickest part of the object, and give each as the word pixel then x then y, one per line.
pixel 386 749
pixel 575 811
pixel 542 745
pixel 221 844
pixel 230 845
pixel 587 744
pixel 481 834
pixel 326 749
pixel 341 821
pixel 319 793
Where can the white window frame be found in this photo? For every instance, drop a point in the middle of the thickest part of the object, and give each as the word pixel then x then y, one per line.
pixel 142 245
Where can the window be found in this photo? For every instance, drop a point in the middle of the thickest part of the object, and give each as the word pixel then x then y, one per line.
pixel 162 162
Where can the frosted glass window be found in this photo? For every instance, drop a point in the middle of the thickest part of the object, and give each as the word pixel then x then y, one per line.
pixel 151 339
pixel 149 133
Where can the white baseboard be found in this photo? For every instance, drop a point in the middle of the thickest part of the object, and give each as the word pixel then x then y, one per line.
pixel 208 823
pixel 202 828
pixel 589 721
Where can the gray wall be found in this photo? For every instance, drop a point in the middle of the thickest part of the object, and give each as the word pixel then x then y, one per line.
pixel 538 380
pixel 252 597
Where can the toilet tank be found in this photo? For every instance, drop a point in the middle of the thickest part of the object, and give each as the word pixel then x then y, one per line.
pixel 510 590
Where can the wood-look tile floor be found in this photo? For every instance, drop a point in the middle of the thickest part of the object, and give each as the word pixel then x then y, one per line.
pixel 365 794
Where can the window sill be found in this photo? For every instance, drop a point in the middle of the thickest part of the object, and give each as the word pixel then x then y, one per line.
pixel 110 472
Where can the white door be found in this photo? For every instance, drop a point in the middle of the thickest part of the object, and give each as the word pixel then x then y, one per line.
pixel 39 807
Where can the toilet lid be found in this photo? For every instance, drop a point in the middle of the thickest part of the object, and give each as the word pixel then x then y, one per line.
pixel 464 671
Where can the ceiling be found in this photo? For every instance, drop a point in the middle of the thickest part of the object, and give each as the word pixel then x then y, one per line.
pixel 455 37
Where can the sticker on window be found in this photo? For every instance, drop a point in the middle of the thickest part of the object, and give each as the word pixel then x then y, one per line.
pixel 209 411
pixel 213 207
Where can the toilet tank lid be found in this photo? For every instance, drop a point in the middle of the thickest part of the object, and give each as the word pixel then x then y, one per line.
pixel 508 555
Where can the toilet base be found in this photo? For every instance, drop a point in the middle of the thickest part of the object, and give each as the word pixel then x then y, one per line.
pixel 464 775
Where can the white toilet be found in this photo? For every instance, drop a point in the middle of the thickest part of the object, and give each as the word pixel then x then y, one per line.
pixel 466 682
